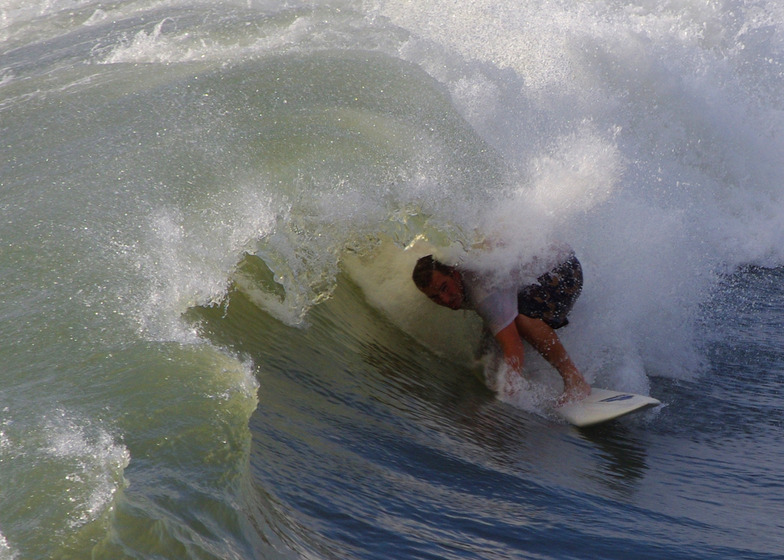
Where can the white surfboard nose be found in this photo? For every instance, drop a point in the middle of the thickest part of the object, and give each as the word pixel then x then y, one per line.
pixel 603 405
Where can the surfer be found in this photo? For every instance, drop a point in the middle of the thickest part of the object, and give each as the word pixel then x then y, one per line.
pixel 513 313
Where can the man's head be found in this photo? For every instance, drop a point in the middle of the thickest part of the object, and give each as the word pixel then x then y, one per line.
pixel 443 284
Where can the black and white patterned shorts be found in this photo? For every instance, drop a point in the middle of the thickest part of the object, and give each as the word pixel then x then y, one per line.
pixel 553 295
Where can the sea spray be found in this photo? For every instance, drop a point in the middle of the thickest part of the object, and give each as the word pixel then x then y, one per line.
pixel 631 134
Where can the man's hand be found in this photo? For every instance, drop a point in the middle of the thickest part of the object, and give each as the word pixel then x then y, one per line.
pixel 575 388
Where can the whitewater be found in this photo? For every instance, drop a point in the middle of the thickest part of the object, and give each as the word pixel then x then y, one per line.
pixel 212 347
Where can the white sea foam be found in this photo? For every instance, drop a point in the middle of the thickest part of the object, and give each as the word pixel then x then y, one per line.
pixel 646 136
pixel 6 551
pixel 93 463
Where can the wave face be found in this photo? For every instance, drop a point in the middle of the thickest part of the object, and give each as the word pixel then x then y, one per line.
pixel 209 216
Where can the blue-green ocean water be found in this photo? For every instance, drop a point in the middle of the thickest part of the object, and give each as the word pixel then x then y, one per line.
pixel 210 345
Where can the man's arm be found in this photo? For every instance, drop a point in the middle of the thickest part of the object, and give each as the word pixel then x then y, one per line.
pixel 545 340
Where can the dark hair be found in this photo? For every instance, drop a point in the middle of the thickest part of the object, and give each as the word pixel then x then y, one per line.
pixel 423 271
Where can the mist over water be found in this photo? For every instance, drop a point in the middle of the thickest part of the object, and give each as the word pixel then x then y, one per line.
pixel 193 193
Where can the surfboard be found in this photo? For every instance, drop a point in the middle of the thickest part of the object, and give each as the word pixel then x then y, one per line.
pixel 603 405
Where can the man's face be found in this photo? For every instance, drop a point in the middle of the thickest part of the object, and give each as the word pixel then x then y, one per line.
pixel 446 289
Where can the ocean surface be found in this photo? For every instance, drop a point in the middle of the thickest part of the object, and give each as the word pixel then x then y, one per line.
pixel 210 344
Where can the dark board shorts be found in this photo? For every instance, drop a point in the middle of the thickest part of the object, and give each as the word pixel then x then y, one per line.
pixel 553 295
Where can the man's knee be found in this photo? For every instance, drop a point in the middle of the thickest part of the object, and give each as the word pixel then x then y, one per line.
pixel 532 329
